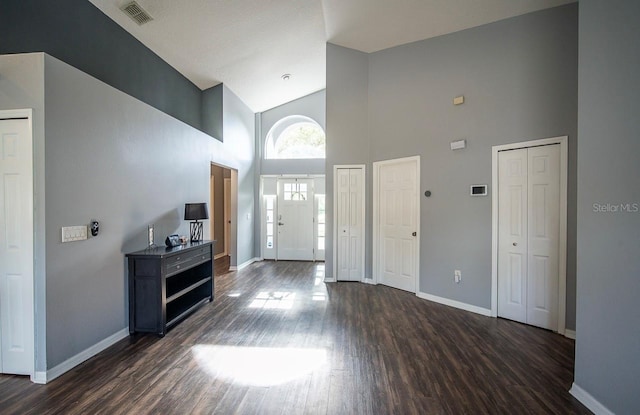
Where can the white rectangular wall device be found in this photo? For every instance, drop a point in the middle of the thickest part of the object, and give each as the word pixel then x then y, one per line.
pixel 457 145
pixel 74 233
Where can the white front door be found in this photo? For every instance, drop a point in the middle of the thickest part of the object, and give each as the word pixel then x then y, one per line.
pixel 528 235
pixel 398 209
pixel 295 219
pixel 16 247
pixel 350 223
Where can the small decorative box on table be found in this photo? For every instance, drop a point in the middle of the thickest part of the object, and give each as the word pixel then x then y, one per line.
pixel 168 284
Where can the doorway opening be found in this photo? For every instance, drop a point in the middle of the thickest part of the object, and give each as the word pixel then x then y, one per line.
pixel 292 217
pixel 224 196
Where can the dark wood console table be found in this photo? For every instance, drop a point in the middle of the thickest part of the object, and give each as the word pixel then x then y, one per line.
pixel 168 284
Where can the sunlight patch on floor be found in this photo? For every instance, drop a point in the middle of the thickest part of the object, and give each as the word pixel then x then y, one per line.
pixel 258 366
pixel 319 279
pixel 319 297
pixel 280 300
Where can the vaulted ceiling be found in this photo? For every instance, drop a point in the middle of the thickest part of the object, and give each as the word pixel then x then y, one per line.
pixel 250 44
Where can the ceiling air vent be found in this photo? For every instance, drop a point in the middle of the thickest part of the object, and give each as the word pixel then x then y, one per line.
pixel 137 13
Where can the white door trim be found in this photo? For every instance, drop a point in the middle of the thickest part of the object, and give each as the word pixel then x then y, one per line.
pixel 227 214
pixel 376 216
pixel 562 263
pixel 363 188
pixel 28 114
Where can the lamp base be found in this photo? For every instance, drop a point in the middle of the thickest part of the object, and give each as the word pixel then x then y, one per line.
pixel 196 231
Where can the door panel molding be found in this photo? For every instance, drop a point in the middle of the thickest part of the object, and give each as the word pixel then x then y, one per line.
pixel 562 254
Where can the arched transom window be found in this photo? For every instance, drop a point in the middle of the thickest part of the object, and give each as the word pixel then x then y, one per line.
pixel 295 137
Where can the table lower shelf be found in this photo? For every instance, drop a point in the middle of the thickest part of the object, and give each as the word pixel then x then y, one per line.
pixel 186 312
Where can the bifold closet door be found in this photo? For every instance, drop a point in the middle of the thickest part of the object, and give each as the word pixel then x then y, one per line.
pixel 350 221
pixel 16 247
pixel 528 235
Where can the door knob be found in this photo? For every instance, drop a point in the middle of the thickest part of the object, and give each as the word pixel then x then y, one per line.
pixel 414 234
pixel 280 223
pixel 515 244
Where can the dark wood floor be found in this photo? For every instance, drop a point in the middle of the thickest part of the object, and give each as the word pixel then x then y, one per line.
pixel 221 265
pixel 276 340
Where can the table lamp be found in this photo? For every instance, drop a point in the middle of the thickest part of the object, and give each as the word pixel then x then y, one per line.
pixel 195 212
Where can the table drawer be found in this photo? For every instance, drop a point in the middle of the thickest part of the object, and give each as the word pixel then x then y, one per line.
pixel 186 260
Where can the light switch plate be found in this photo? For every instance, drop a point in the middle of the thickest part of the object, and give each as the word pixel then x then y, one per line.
pixel 74 233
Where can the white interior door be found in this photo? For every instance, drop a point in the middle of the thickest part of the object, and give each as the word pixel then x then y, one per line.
pixel 295 219
pixel 398 208
pixel 350 224
pixel 512 237
pixel 16 247
pixel 528 235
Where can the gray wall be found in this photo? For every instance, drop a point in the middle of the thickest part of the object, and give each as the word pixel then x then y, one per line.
pixel 519 78
pixel 239 138
pixel 22 86
pixel 110 157
pixel 312 106
pixel 212 112
pixel 78 33
pixel 347 130
pixel 608 339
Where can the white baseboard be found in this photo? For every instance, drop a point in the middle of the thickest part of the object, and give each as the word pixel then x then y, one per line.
pixel 86 354
pixel 589 401
pixel 571 334
pixel 369 281
pixel 456 304
pixel 39 377
pixel 244 264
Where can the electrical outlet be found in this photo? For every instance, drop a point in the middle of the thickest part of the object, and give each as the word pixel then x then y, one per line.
pixel 457 276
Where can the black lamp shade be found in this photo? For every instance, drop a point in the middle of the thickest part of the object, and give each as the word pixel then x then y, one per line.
pixel 195 211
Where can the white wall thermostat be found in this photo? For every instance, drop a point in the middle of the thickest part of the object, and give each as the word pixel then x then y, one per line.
pixel 478 190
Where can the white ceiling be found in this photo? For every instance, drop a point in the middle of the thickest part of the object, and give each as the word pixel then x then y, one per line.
pixel 249 44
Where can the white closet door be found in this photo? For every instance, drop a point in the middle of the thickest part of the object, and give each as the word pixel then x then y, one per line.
pixel 350 223
pixel 512 235
pixel 16 248
pixel 528 235
pixel 543 231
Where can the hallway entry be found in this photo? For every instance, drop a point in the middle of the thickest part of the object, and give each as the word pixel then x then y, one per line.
pixel 223 191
